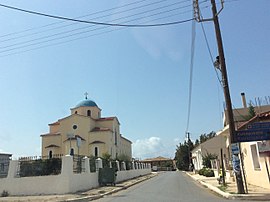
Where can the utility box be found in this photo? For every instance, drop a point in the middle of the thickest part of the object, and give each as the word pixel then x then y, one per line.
pixel 106 176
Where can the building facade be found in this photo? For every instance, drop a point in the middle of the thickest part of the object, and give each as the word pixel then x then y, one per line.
pixel 85 132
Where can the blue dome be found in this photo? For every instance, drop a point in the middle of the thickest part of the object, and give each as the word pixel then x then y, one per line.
pixel 86 103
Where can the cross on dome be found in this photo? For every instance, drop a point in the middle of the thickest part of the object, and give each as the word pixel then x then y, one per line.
pixel 86 94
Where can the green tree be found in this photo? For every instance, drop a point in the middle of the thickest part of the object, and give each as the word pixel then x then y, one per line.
pixel 207 160
pixel 251 111
pixel 183 155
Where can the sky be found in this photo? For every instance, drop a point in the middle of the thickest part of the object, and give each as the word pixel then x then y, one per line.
pixel 140 75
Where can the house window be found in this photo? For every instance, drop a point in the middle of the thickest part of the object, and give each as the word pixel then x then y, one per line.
pixel 88 112
pixel 255 156
pixel 71 152
pixel 96 151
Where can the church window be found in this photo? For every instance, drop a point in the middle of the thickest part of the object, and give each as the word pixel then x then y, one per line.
pixel 96 151
pixel 74 127
pixel 115 137
pixel 88 112
pixel 71 152
pixel 50 154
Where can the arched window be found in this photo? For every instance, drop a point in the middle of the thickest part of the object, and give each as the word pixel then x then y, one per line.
pixel 88 112
pixel 71 152
pixel 96 151
pixel 50 154
pixel 76 112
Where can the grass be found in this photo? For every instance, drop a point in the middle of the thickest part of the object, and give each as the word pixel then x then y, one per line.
pixel 223 188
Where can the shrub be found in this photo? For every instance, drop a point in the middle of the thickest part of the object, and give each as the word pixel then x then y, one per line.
pixel 207 172
pixel 4 193
pixel 201 171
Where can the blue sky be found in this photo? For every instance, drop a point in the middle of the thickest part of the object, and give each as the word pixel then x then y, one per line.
pixel 140 75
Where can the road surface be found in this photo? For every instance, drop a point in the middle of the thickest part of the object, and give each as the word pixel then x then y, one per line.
pixel 167 186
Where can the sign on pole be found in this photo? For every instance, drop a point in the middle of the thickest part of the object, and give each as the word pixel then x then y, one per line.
pixel 252 135
pixel 235 148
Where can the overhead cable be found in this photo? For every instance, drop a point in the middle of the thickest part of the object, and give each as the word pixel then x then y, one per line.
pixel 95 22
pixel 193 36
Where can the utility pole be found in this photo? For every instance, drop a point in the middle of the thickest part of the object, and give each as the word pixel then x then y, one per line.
pixel 221 61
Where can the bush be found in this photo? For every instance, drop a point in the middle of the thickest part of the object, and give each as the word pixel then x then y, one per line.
pixel 201 172
pixel 207 172
pixel 4 193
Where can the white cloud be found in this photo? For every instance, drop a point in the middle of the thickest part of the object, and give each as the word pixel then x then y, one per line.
pixel 152 147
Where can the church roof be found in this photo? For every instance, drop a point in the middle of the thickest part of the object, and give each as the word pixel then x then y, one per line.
pixel 86 103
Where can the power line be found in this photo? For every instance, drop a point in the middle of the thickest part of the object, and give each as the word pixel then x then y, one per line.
pixel 210 54
pixel 94 22
pixel 79 38
pixel 102 11
pixel 193 35
pixel 95 29
pixel 65 32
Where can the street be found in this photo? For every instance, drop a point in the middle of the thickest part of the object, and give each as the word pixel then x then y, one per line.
pixel 167 186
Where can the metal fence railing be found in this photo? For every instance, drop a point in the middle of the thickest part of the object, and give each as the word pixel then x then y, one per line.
pixel 78 164
pixel 34 166
pixel 4 166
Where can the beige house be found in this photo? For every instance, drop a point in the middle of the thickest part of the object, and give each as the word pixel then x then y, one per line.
pixel 212 146
pixel 256 154
pixel 85 132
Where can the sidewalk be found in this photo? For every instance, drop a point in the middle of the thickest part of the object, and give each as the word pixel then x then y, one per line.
pixel 89 195
pixel 254 193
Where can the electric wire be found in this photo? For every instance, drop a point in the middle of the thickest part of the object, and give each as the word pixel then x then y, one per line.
pixel 84 37
pixel 102 11
pixel 73 23
pixel 193 36
pixel 65 32
pixel 210 54
pixel 96 22
pixel 99 28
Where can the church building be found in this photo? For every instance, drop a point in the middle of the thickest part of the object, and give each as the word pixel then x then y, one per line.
pixel 85 132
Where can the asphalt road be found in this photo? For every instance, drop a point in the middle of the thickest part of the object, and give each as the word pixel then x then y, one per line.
pixel 167 186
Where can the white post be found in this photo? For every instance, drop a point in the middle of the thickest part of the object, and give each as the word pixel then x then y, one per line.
pixel 123 165
pixel 98 164
pixel 13 167
pixel 133 165
pixel 110 164
pixel 117 165
pixel 86 164
pixel 67 165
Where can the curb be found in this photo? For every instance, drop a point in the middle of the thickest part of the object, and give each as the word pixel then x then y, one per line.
pixel 91 198
pixel 253 197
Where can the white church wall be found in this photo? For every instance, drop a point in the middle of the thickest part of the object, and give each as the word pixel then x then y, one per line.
pixel 66 182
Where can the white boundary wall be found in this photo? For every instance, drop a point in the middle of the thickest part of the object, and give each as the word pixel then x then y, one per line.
pixel 66 182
